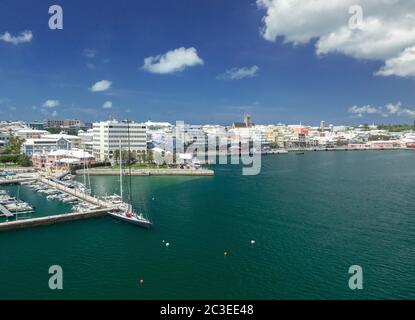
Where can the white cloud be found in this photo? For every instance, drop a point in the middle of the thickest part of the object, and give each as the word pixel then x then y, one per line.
pixel 5 100
pixel 25 36
pixel 385 111
pixel 173 61
pixel 239 73
pixel 47 113
pixel 51 103
pixel 102 85
pixel 107 105
pixel 90 66
pixel 90 53
pixel 386 31
pixel 402 65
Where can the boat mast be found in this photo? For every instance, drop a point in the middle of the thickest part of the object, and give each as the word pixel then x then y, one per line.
pixel 84 173
pixel 129 164
pixel 121 170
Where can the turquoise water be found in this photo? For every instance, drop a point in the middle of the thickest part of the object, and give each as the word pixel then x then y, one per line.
pixel 311 216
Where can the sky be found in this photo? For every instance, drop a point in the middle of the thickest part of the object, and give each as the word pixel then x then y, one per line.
pixel 209 61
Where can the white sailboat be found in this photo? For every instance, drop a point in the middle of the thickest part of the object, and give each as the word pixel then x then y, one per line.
pixel 126 212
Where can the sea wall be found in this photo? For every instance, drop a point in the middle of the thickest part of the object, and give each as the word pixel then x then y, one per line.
pixel 150 172
pixel 43 221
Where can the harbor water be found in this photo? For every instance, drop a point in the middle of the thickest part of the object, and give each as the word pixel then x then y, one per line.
pixel 311 216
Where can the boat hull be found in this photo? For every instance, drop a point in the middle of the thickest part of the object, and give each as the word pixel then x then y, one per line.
pixel 140 223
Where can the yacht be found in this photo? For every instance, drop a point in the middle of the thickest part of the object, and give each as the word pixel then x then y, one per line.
pixel 125 210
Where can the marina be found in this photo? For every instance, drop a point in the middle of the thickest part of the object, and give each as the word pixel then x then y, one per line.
pixel 19 214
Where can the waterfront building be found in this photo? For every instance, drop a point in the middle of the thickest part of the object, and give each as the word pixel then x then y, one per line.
pixel 108 134
pixel 75 140
pixel 44 145
pixel 62 159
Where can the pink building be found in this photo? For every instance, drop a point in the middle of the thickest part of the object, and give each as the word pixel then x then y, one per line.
pixel 62 159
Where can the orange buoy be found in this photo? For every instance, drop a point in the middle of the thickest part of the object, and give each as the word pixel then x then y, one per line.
pixel 141 282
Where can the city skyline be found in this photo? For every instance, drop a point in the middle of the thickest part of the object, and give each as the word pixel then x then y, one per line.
pixel 164 62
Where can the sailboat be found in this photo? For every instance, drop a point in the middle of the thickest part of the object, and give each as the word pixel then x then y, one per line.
pixel 126 212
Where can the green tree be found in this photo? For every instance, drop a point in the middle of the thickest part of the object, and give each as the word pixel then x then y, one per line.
pixel 150 156
pixel 13 146
pixel 24 161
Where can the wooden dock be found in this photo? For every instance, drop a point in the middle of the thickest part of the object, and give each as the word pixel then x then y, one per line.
pixel 49 220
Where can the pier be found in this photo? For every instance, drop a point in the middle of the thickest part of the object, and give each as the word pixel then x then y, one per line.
pixel 6 181
pixel 5 212
pixel 49 220
pixel 77 194
pixel 102 210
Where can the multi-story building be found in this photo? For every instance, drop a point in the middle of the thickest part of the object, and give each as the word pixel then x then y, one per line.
pixel 36 125
pixel 66 123
pixel 4 138
pixel 75 140
pixel 44 145
pixel 107 136
pixel 87 140
pixel 62 159
pixel 30 133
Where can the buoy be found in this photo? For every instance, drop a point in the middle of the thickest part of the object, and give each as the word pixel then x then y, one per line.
pixel 252 241
pixel 225 253
pixel 141 282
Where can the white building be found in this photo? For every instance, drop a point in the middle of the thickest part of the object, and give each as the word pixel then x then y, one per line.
pixel 42 146
pixel 75 140
pixel 158 125
pixel 30 133
pixel 108 134
pixel 87 140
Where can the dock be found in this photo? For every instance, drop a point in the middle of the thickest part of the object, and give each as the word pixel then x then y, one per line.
pixel 5 181
pixel 49 220
pixel 82 196
pixel 103 208
pixel 5 212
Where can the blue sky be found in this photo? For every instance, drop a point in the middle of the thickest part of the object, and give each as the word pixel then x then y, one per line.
pixel 280 79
